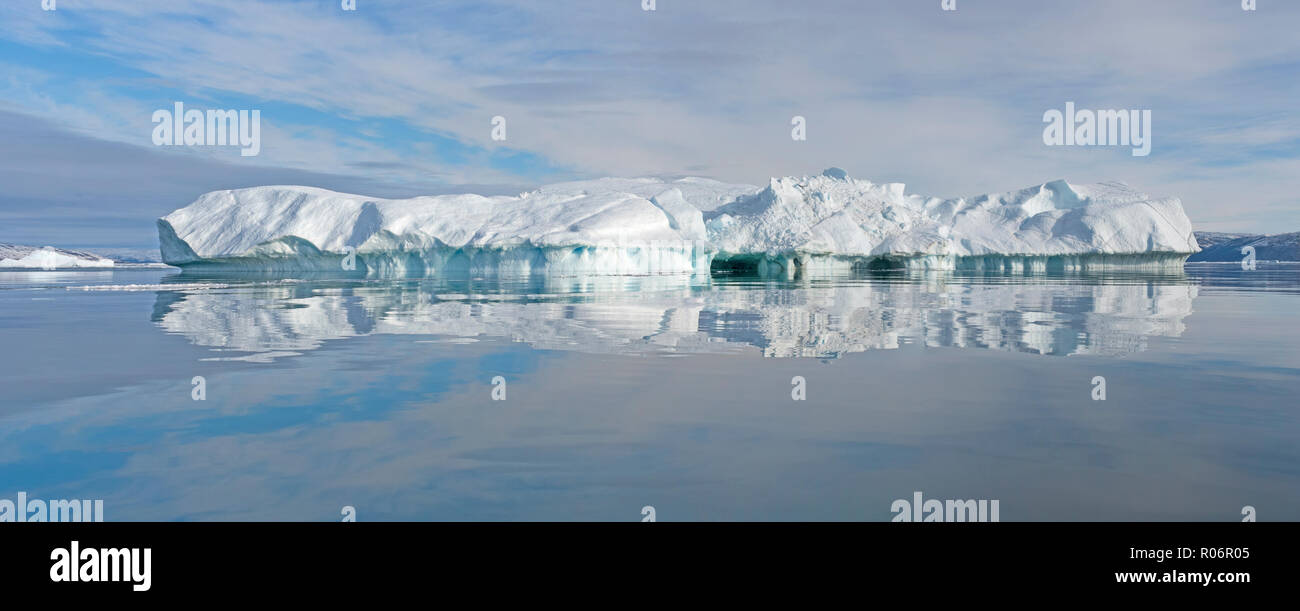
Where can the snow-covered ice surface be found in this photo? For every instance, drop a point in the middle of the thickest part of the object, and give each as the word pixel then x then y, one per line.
pixel 14 256
pixel 835 222
pixel 809 224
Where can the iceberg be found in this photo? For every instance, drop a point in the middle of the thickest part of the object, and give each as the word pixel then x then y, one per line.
pixel 14 256
pixel 829 223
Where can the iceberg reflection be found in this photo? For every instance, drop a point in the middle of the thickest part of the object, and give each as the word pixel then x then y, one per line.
pixel 680 314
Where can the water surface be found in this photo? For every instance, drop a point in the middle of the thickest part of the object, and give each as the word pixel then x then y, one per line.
pixel 667 391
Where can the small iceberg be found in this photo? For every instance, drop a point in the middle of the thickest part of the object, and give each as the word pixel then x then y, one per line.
pixel 15 256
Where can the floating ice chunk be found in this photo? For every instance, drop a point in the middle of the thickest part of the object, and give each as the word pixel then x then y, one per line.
pixel 14 256
pixel 832 222
pixel 829 222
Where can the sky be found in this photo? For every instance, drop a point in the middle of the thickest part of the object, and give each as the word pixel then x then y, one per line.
pixel 397 98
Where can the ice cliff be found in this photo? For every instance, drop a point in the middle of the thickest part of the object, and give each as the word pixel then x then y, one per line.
pixel 810 224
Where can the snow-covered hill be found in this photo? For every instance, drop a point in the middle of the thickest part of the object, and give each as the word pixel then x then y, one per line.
pixel 1227 246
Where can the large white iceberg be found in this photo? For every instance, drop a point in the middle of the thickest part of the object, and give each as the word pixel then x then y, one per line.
pixel 634 226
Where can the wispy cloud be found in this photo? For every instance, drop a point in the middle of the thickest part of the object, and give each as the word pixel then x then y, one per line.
pixel 400 95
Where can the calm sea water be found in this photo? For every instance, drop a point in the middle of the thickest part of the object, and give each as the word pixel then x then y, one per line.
pixel 663 391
